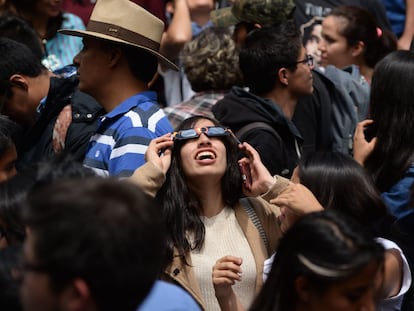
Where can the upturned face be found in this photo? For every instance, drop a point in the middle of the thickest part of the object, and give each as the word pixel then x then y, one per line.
pixel 204 156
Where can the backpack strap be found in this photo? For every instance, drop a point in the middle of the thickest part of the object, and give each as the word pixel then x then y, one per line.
pixel 256 125
pixel 249 209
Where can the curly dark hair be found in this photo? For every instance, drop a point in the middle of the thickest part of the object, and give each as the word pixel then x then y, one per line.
pixel 211 60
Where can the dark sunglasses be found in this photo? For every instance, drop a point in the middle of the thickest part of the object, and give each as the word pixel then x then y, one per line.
pixel 210 131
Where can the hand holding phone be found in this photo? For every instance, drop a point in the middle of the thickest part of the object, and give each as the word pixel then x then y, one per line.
pixel 246 175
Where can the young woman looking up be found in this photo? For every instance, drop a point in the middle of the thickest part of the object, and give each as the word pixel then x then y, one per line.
pixel 196 177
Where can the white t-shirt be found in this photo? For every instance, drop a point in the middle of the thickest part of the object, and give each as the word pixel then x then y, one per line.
pixel 177 88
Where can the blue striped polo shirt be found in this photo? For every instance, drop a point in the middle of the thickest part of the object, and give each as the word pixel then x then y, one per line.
pixel 123 135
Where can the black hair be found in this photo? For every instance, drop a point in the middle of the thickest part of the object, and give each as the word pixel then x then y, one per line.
pixel 9 134
pixel 23 7
pixel 392 109
pixel 341 184
pixel 180 205
pixel 143 64
pixel 14 191
pixel 19 30
pixel 105 231
pixel 16 58
pixel 265 51
pixel 336 246
pixel 10 268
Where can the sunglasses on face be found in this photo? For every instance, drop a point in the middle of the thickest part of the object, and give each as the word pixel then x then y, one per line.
pixel 210 131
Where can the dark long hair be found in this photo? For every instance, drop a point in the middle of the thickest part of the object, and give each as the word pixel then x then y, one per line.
pixel 337 247
pixel 181 207
pixel 392 109
pixel 340 183
pixel 24 6
pixel 362 26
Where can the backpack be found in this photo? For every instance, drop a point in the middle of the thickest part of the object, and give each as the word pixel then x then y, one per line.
pixel 256 125
pixel 349 94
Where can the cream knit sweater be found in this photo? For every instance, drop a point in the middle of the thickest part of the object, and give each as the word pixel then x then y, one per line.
pixel 224 237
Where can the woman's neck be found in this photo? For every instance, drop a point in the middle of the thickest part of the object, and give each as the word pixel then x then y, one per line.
pixel 211 200
pixel 39 23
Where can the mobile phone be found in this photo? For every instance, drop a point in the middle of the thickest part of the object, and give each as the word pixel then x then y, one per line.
pixel 370 132
pixel 245 174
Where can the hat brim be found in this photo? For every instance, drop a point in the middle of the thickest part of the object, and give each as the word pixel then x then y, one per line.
pixel 223 17
pixel 85 33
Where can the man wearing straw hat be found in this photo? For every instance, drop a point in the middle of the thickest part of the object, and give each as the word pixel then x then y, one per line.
pixel 119 59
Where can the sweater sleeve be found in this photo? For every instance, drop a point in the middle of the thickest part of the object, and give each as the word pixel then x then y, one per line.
pixel 149 178
pixel 280 184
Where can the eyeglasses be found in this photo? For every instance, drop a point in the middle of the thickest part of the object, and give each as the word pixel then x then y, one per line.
pixel 210 131
pixel 308 60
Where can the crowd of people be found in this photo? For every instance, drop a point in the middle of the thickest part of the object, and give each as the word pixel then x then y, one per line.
pixel 206 155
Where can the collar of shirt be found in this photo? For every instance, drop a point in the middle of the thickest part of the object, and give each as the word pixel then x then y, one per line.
pixel 132 102
pixel 41 106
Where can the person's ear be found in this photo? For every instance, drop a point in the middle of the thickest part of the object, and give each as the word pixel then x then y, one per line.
pixel 358 49
pixel 76 296
pixel 115 55
pixel 283 76
pixel 19 81
pixel 302 289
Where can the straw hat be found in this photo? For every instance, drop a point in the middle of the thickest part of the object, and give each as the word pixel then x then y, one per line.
pixel 123 21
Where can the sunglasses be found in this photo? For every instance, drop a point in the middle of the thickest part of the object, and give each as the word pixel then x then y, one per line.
pixel 210 131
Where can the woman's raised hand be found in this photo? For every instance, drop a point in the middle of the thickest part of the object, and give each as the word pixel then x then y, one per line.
pixel 159 152
pixel 257 178
pixel 363 148
pixel 298 199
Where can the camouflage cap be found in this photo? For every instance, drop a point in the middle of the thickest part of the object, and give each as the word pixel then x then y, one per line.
pixel 263 12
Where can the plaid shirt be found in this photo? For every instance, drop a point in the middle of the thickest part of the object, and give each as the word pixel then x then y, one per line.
pixel 200 104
